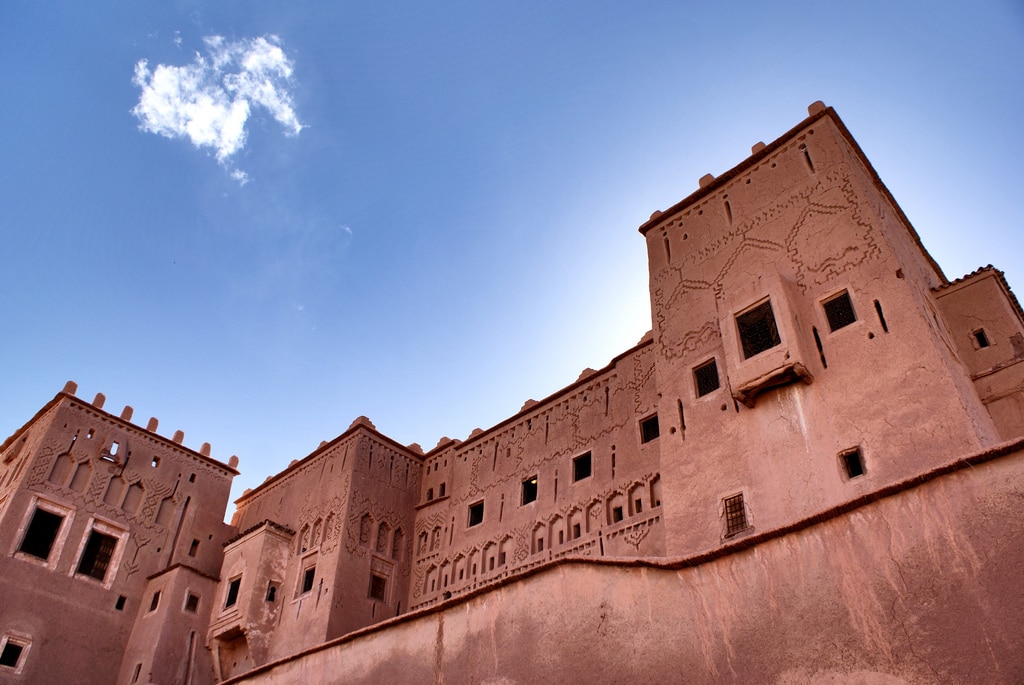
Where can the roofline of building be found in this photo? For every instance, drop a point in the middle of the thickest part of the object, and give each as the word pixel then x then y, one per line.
pixel 770 149
pixel 63 394
pixel 356 425
pixel 983 271
pixel 648 339
pixel 187 567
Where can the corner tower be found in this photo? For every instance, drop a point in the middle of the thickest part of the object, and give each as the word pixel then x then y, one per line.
pixel 799 350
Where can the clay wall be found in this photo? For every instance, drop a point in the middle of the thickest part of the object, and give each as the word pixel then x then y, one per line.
pixel 350 508
pixel 919 586
pixel 802 226
pixel 167 639
pixel 569 475
pixel 97 505
pixel 986 325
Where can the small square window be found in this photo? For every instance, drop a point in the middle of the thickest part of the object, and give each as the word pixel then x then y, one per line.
pixel 430 494
pixel 853 464
pixel 981 338
pixel 99 549
pixel 616 514
pixel 839 311
pixel 307 579
pixel 378 587
pixel 191 603
pixel 705 378
pixel 581 467
pixel 529 490
pixel 10 654
pixel 649 429
pixel 476 513
pixel 233 588
pixel 735 515
pixel 757 329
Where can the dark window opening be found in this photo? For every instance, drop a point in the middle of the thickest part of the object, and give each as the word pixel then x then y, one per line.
pixel 233 588
pixel 155 602
pixel 271 593
pixel 501 559
pixel 430 494
pixel 11 654
pixel 839 311
pixel 616 514
pixel 491 564
pixel 193 548
pixel 476 513
pixel 852 463
pixel 981 338
pixel 378 586
pixel 817 343
pixel 576 531
pixel 649 429
pixel 191 603
pixel 529 490
pixel 136 672
pixel 705 378
pixel 581 467
pixel 735 515
pixel 41 533
pixel 307 579
pixel 96 557
pixel 119 604
pixel 757 330
pixel 638 505
pixel 540 544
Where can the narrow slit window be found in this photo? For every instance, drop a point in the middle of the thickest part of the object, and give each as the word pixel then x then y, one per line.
pixel 705 377
pixel 192 603
pixel 155 602
pixel 529 490
pixel 581 467
pixel 757 330
pixel 839 311
pixel 735 515
pixel 649 429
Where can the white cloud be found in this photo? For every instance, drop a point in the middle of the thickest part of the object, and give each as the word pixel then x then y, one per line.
pixel 210 100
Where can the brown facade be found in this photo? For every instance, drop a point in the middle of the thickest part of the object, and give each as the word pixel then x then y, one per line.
pixel 814 443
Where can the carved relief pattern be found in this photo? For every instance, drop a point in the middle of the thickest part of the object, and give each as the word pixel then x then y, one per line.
pixel 815 261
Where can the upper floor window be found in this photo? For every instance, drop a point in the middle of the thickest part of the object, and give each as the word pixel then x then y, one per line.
pixel 839 311
pixel 99 550
pixel 757 329
pixel 233 587
pixel 529 490
pixel 476 513
pixel 649 429
pixel 41 534
pixel 735 515
pixel 705 377
pixel 581 467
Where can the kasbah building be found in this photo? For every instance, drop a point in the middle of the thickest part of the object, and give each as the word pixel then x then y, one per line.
pixel 810 470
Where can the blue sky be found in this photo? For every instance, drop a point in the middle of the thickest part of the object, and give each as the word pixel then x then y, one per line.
pixel 426 212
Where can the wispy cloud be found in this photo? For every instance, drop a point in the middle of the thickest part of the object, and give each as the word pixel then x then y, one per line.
pixel 210 100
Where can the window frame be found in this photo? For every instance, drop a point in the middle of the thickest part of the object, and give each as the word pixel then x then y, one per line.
pixel 107 529
pixel 729 515
pixel 19 640
pixel 644 423
pixel 529 486
pixel 231 592
pixel 746 351
pixel 589 456
pixel 383 597
pixel 830 301
pixel 472 520
pixel 696 372
pixel 59 539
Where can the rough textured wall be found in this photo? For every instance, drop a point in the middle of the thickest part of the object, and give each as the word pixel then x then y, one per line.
pixel 614 510
pixel 922 586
